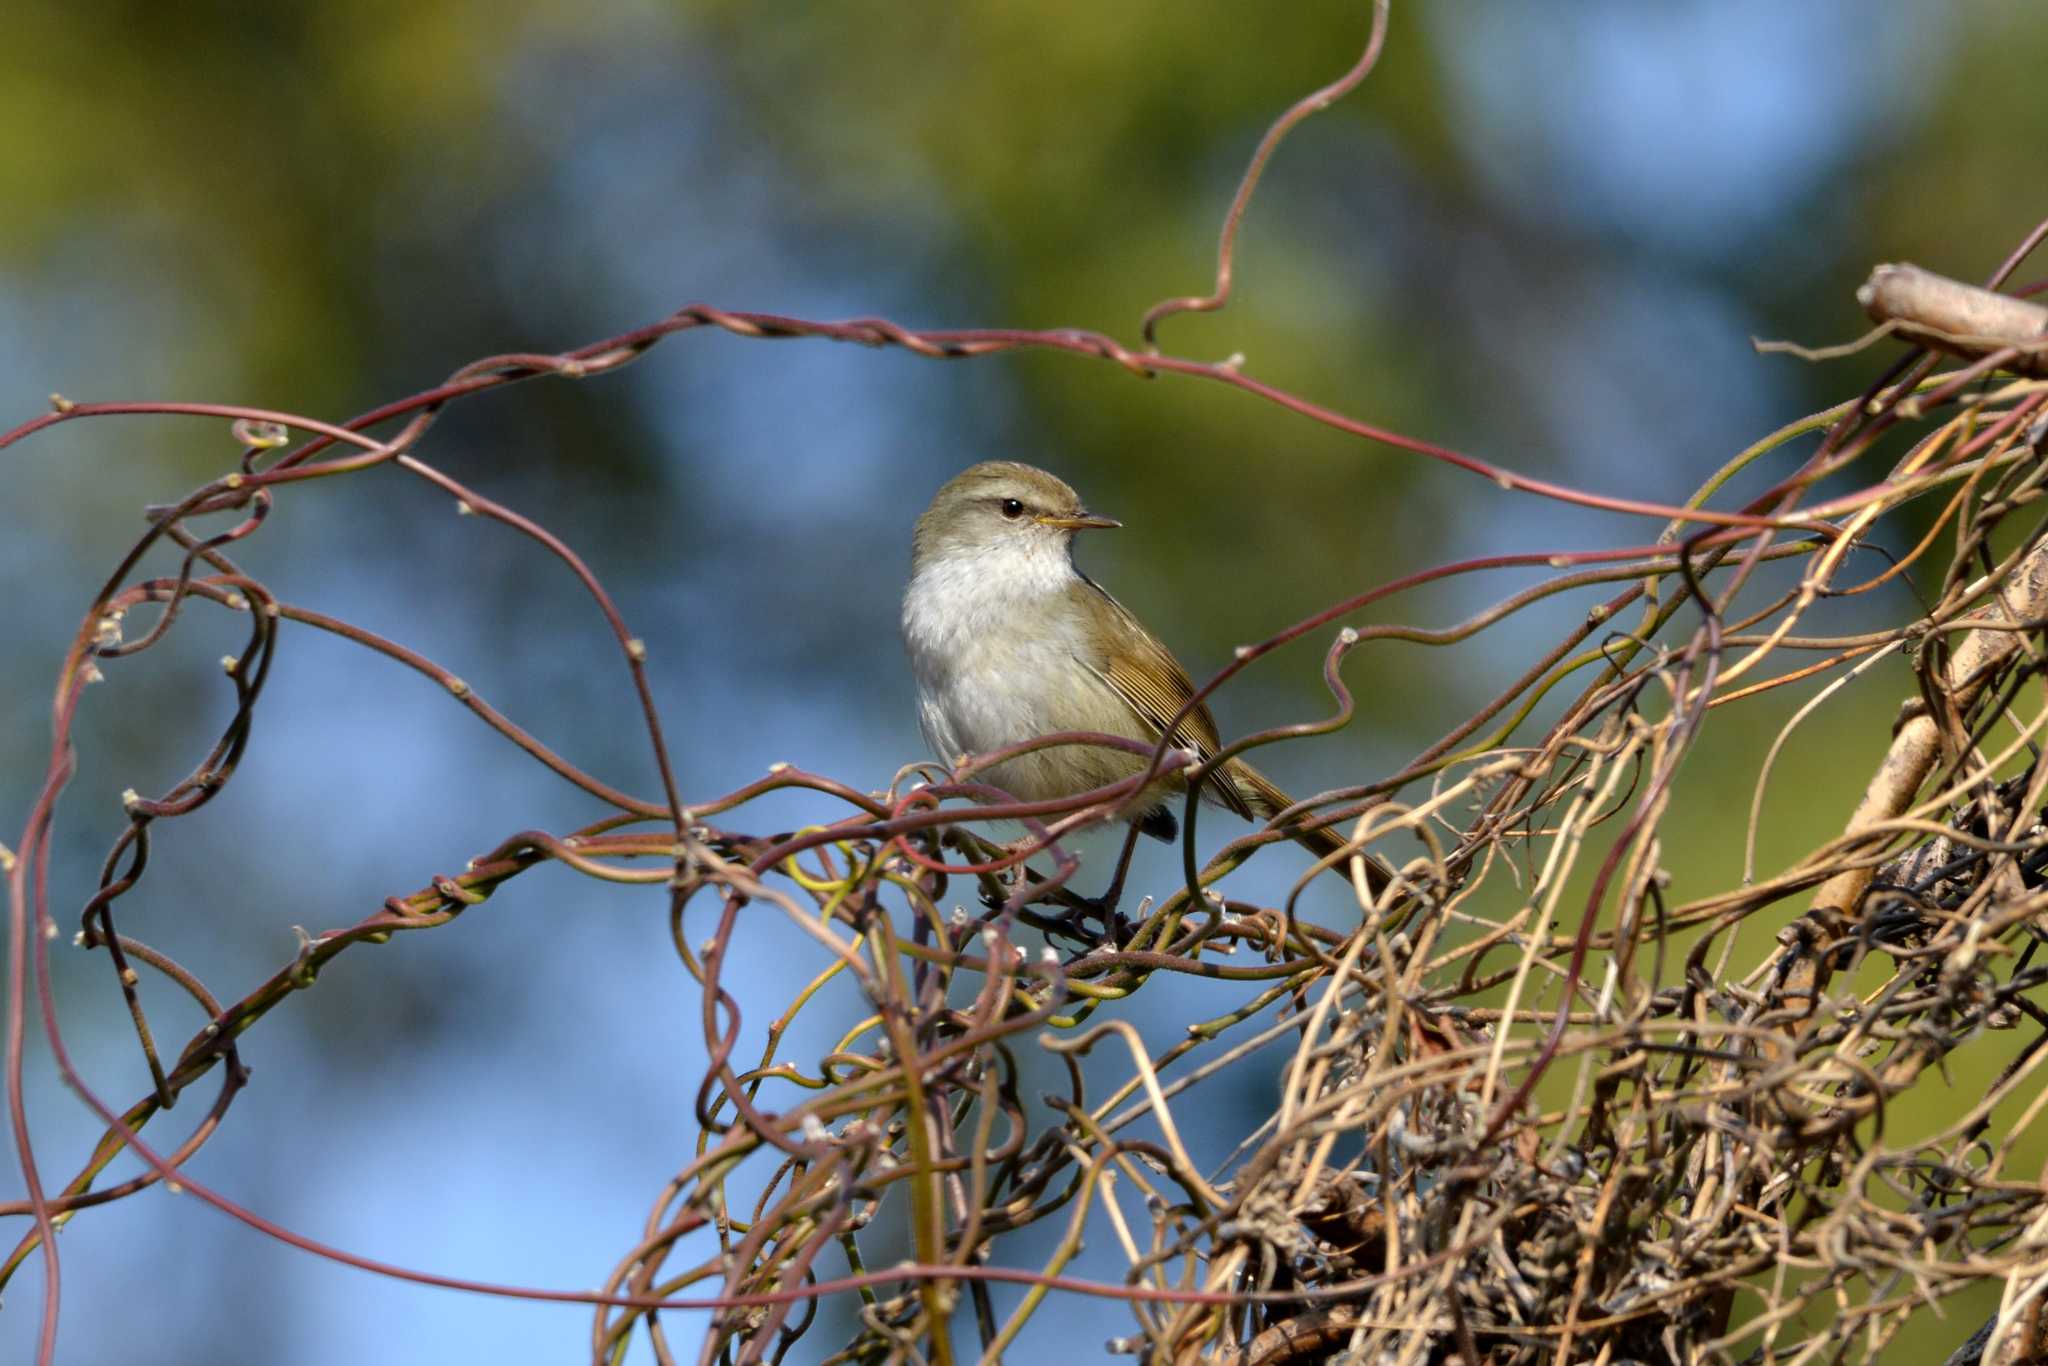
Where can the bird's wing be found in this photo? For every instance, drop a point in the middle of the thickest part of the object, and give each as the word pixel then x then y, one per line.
pixel 1153 685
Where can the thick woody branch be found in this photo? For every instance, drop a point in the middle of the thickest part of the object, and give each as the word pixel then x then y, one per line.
pixel 1960 319
pixel 1916 745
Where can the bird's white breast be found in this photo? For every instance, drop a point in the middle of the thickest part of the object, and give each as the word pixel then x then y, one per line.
pixel 996 645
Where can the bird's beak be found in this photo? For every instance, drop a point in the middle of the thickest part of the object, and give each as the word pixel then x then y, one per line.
pixel 1086 521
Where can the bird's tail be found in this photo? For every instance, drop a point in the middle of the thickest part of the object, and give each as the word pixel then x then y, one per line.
pixel 1266 801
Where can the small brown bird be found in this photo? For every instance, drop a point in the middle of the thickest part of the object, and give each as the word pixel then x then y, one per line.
pixel 1009 641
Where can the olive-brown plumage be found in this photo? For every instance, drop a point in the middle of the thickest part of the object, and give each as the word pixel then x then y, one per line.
pixel 1009 641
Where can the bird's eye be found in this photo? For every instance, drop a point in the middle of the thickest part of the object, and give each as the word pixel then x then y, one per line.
pixel 1012 508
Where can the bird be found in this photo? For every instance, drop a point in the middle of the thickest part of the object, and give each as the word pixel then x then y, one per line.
pixel 1008 640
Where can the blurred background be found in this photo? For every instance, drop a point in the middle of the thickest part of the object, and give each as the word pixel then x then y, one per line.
pixel 1545 235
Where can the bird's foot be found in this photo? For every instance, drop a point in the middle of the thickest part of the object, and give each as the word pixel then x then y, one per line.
pixel 1072 921
pixel 1015 887
pixel 1116 930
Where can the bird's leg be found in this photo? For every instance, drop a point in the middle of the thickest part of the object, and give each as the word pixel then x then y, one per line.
pixel 1001 888
pixel 1005 889
pixel 1116 927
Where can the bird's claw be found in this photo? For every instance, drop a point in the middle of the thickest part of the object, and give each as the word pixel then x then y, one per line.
pixel 1116 930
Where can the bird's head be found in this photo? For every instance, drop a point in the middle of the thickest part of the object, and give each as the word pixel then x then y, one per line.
pixel 1002 507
